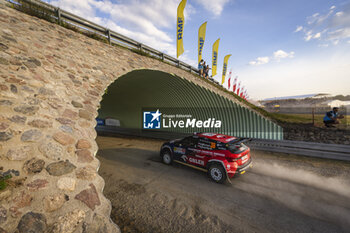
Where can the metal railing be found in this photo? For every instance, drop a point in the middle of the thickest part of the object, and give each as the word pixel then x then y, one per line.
pixel 311 149
pixel 113 38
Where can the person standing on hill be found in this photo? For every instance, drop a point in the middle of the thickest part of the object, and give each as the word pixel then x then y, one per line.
pixel 200 68
pixel 206 71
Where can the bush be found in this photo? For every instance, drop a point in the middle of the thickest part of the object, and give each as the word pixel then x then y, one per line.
pixel 4 177
pixel 35 10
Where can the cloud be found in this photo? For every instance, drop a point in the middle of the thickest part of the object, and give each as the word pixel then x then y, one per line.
pixel 300 76
pixel 298 29
pixel 277 56
pixel 215 7
pixel 146 21
pixel 186 58
pixel 331 27
pixel 323 45
pixel 260 61
pixel 340 13
pixel 280 54
pixel 339 34
pixel 317 35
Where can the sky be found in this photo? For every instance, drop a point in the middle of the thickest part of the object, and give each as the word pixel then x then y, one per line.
pixel 279 47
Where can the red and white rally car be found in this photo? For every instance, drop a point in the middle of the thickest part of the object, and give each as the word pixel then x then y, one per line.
pixel 220 155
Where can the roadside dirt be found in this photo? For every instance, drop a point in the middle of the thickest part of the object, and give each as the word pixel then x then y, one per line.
pixel 281 193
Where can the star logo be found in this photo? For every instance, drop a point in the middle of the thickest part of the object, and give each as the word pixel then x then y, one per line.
pixel 156 115
pixel 151 120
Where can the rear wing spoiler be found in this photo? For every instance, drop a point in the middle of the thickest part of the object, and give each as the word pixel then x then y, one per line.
pixel 241 140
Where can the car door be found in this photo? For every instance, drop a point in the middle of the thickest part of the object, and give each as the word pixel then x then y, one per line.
pixel 191 149
pixel 194 156
pixel 205 147
pixel 180 149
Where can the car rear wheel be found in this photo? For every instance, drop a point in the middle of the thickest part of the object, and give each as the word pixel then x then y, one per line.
pixel 166 157
pixel 217 173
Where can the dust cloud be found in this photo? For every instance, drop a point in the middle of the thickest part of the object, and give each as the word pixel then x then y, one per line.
pixel 324 198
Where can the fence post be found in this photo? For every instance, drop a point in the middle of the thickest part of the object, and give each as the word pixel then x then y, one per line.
pixel 108 32
pixel 190 69
pixel 58 10
pixel 178 63
pixel 162 55
pixel 140 47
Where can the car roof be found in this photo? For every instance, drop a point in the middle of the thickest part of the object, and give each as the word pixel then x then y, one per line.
pixel 217 137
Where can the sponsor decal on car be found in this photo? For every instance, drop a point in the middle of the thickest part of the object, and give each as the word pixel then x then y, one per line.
pixel 199 156
pixel 179 150
pixel 194 150
pixel 244 158
pixel 205 152
pixel 218 154
pixel 196 161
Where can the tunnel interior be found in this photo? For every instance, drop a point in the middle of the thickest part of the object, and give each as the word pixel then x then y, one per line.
pixel 149 90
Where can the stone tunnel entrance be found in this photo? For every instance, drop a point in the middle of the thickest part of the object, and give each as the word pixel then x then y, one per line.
pixel 178 99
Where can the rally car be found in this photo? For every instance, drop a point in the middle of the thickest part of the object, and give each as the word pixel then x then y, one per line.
pixel 221 156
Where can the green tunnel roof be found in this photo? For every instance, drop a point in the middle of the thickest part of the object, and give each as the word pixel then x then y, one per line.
pixel 142 90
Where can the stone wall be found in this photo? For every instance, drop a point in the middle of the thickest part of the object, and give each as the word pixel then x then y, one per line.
pixel 51 82
pixel 310 133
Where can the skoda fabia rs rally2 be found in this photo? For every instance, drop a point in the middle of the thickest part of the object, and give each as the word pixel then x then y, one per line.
pixel 221 156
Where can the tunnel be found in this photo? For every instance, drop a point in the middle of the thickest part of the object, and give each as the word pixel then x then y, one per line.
pixel 139 91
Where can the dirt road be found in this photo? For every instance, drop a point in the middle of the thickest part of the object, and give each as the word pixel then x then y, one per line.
pixel 281 193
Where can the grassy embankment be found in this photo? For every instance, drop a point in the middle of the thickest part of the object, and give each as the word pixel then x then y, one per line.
pixel 307 119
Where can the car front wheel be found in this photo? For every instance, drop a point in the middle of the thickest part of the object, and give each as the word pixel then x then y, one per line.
pixel 217 173
pixel 166 157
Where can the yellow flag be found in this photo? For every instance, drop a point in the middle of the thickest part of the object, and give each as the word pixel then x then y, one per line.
pixel 201 39
pixel 224 69
pixel 215 57
pixel 180 27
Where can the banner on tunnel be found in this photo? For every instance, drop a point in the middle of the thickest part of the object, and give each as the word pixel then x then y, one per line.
pixel 224 68
pixel 201 39
pixel 215 57
pixel 180 28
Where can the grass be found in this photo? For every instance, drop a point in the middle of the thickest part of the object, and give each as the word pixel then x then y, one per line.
pixel 34 10
pixel 69 26
pixel 3 181
pixel 307 119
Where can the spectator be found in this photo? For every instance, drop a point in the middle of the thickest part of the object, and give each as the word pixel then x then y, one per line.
pixel 332 117
pixel 206 71
pixel 200 67
pixel 204 65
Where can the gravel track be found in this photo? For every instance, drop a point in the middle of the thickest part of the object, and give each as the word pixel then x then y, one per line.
pixel 281 193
